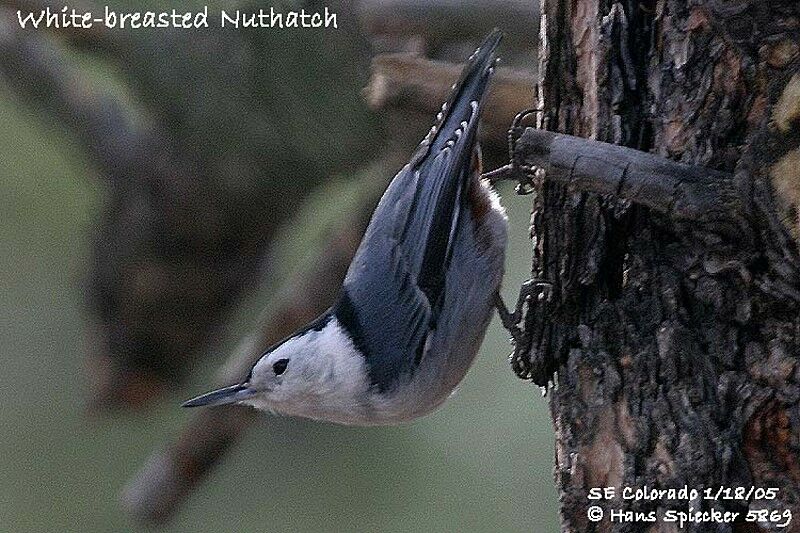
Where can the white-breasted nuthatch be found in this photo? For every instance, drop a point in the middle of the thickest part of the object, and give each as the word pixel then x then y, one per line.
pixel 418 296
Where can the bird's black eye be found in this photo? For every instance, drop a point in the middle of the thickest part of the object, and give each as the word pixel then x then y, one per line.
pixel 279 366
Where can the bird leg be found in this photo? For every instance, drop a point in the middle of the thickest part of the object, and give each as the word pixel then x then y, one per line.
pixel 528 289
pixel 515 170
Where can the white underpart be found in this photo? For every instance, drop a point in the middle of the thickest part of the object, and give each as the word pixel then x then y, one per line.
pixel 494 199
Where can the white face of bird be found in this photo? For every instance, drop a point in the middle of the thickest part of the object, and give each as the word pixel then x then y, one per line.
pixel 317 372
pixel 284 373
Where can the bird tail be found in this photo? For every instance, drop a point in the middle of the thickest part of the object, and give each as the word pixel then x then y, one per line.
pixel 448 162
pixel 462 106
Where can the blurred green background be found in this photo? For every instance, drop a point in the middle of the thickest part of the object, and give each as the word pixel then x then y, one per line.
pixel 481 463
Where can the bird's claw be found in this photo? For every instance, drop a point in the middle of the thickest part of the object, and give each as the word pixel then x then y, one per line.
pixel 515 170
pixel 511 320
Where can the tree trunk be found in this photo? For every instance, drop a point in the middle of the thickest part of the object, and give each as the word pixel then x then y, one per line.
pixel 671 329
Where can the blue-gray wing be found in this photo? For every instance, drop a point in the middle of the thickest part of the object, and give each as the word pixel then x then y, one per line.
pixel 390 298
pixel 394 288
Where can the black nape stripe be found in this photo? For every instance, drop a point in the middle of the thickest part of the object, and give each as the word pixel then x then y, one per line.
pixel 318 324
pixel 383 369
pixel 347 315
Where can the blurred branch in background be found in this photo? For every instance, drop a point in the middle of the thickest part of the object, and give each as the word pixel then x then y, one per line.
pixel 444 22
pixel 209 143
pixel 230 140
pixel 418 85
pixel 42 74
pixel 171 473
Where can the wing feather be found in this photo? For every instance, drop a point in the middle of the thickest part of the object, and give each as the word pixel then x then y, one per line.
pixel 393 291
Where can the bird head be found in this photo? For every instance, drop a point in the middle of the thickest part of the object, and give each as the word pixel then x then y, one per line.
pixel 283 372
pixel 315 373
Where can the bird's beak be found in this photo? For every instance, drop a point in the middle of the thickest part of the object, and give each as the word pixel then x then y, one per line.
pixel 232 394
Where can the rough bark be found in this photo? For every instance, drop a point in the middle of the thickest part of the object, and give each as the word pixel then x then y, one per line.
pixel 671 341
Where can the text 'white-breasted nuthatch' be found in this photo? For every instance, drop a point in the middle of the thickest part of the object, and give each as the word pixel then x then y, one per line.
pixel 418 296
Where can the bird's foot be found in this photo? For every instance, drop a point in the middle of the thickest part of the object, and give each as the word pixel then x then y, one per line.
pixel 542 289
pixel 515 170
